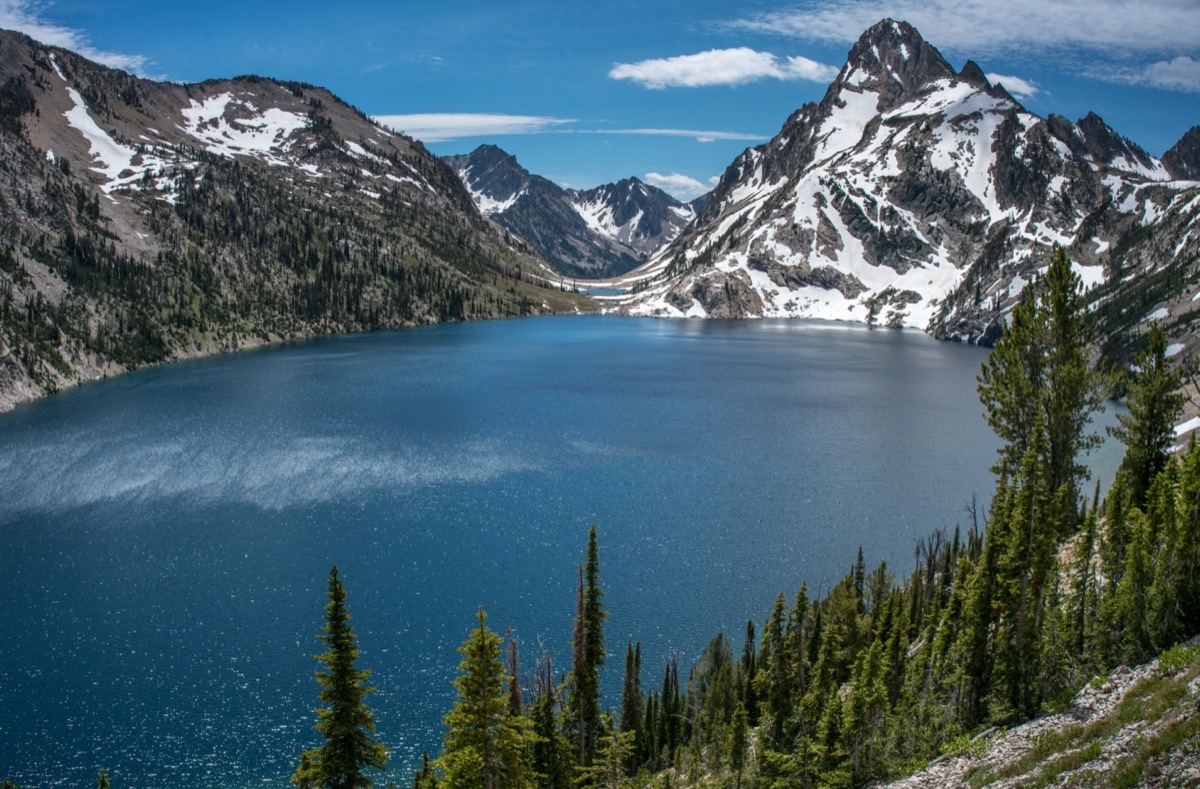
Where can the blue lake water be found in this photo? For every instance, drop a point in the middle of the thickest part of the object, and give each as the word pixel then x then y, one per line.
pixel 166 537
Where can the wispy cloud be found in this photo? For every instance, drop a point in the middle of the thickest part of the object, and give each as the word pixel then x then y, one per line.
pixel 697 135
pixel 985 26
pixel 720 67
pixel 1021 88
pixel 25 16
pixel 681 186
pixel 1181 73
pixel 449 126
pixel 446 126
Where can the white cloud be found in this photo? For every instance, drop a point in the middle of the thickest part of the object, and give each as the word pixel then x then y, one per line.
pixel 22 15
pixel 1021 88
pixel 698 136
pixel 976 27
pixel 720 67
pixel 448 126
pixel 682 187
pixel 445 126
pixel 1181 73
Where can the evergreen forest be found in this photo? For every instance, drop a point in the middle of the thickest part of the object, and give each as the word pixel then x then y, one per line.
pixel 1047 589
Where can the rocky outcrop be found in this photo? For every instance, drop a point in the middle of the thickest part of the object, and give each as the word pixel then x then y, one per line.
pixel 1104 730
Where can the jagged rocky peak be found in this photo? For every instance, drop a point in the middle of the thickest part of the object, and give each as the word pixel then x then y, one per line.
pixel 494 177
pixel 1183 159
pixel 893 60
pixel 1105 145
pixel 1093 140
pixel 972 74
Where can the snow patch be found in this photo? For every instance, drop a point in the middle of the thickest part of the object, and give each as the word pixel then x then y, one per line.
pixel 231 127
pixel 1187 427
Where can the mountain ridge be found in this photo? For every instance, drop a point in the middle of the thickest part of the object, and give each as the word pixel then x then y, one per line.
pixel 588 233
pixel 916 195
pixel 145 221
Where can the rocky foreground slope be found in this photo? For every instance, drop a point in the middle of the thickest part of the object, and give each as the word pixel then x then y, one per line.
pixel 1136 727
pixel 915 194
pixel 143 221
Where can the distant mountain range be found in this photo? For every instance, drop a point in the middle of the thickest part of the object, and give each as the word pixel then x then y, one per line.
pixel 143 221
pixel 914 194
pixel 592 233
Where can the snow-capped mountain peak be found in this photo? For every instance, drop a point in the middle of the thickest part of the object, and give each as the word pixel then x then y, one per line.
pixel 590 233
pixel 911 194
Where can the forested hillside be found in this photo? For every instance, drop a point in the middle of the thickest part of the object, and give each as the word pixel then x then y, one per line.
pixel 143 221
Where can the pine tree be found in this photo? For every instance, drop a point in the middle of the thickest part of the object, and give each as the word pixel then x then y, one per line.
pixel 1148 429
pixel 102 779
pixel 551 758
pixel 749 695
pixel 772 683
pixel 346 722
pixel 425 778
pixel 486 746
pixel 613 750
pixel 589 654
pixel 739 743
pixel 632 701
pixel 1038 377
pixel 1074 388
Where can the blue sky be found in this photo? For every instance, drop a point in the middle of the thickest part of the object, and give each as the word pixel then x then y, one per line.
pixel 667 90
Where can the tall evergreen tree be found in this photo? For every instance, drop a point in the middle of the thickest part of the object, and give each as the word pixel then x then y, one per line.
pixel 486 745
pixel 749 694
pixel 1074 389
pixel 589 654
pixel 346 722
pixel 632 702
pixel 1038 377
pixel 739 743
pixel 1148 429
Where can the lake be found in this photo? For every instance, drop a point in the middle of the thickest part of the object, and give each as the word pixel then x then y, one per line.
pixel 166 536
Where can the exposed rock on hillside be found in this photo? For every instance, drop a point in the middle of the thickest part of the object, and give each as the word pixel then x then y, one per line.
pixel 1141 721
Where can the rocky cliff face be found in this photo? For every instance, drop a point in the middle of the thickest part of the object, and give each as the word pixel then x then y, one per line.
pixel 592 233
pixel 144 221
pixel 916 195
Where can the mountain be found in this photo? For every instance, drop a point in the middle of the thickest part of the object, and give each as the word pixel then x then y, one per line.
pixel 915 194
pixel 143 221
pixel 1183 158
pixel 592 233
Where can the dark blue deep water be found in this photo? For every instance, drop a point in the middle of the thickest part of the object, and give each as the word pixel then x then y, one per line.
pixel 165 537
